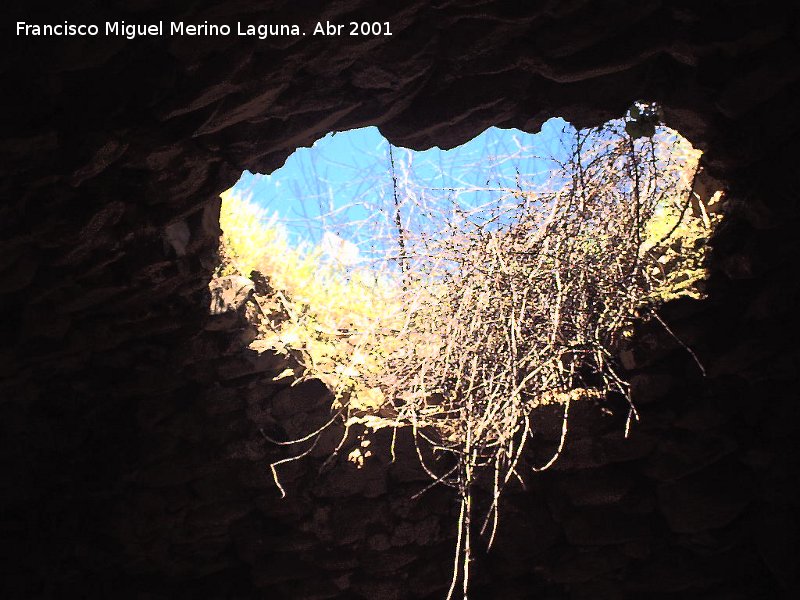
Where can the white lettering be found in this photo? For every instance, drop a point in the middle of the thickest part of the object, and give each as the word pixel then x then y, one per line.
pixel 263 31
pixel 57 29
pixel 204 28
pixel 327 29
pixel 134 30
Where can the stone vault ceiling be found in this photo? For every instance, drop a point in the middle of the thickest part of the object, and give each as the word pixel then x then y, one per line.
pixel 129 418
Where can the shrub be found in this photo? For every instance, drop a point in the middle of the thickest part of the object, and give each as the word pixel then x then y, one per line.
pixel 480 315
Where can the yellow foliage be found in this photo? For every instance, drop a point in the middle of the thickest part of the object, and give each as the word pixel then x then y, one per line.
pixel 333 319
pixel 247 234
pixel 675 233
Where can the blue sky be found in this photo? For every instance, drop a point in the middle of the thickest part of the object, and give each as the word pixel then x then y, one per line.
pixel 343 183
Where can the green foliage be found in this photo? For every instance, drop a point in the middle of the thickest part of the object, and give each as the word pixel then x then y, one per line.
pixel 643 119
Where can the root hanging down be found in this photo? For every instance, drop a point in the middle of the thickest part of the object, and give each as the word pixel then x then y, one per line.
pixel 479 313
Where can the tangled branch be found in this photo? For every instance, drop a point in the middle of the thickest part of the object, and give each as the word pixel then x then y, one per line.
pixel 501 307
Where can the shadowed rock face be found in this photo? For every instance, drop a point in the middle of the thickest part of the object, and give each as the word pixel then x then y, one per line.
pixel 132 461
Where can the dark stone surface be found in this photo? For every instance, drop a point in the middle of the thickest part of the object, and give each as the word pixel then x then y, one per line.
pixel 129 416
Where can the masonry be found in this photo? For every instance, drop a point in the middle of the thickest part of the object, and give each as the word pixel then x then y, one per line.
pixel 129 416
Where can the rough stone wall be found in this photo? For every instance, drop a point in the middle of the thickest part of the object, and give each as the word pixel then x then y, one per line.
pixel 129 418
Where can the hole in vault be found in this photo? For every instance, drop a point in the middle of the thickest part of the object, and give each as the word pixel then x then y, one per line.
pixel 370 249
pixel 454 293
